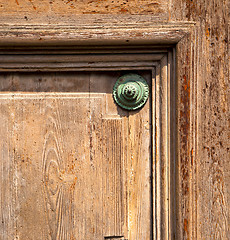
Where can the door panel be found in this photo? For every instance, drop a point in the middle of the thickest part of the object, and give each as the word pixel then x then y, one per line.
pixel 73 164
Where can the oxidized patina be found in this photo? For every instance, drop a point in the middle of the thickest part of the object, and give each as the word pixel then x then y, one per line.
pixel 131 91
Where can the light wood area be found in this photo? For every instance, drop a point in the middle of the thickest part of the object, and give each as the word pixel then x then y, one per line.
pixel 73 164
pixel 198 33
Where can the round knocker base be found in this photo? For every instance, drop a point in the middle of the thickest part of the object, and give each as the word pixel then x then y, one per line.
pixel 131 91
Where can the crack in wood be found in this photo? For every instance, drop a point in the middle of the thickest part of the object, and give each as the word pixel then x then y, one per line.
pixel 115 238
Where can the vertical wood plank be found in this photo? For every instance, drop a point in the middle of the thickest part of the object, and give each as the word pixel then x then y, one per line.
pixel 183 164
pixel 208 168
pixel 154 159
pixel 158 153
pixel 113 182
pixel 7 187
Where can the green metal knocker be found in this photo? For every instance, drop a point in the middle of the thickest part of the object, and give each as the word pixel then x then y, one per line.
pixel 131 91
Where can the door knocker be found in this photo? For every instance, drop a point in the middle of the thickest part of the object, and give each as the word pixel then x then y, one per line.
pixel 131 91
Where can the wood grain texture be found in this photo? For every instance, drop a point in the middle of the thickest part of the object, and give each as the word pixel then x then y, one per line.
pixel 204 72
pixel 7 210
pixel 99 29
pixel 183 173
pixel 203 86
pixel 113 177
pixel 139 154
pixel 60 7
pixel 64 163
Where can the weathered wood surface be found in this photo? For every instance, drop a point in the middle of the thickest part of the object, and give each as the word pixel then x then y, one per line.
pixel 60 7
pixel 203 67
pixel 73 164
pixel 203 73
pixel 97 29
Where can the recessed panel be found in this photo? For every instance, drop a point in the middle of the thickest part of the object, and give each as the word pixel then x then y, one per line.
pixel 74 165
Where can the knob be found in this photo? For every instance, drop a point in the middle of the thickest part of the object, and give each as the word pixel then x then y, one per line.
pixel 131 91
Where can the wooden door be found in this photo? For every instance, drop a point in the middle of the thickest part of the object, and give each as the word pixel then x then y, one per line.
pixel 74 165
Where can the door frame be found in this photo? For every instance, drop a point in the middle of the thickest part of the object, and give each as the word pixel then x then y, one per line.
pixel 170 50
